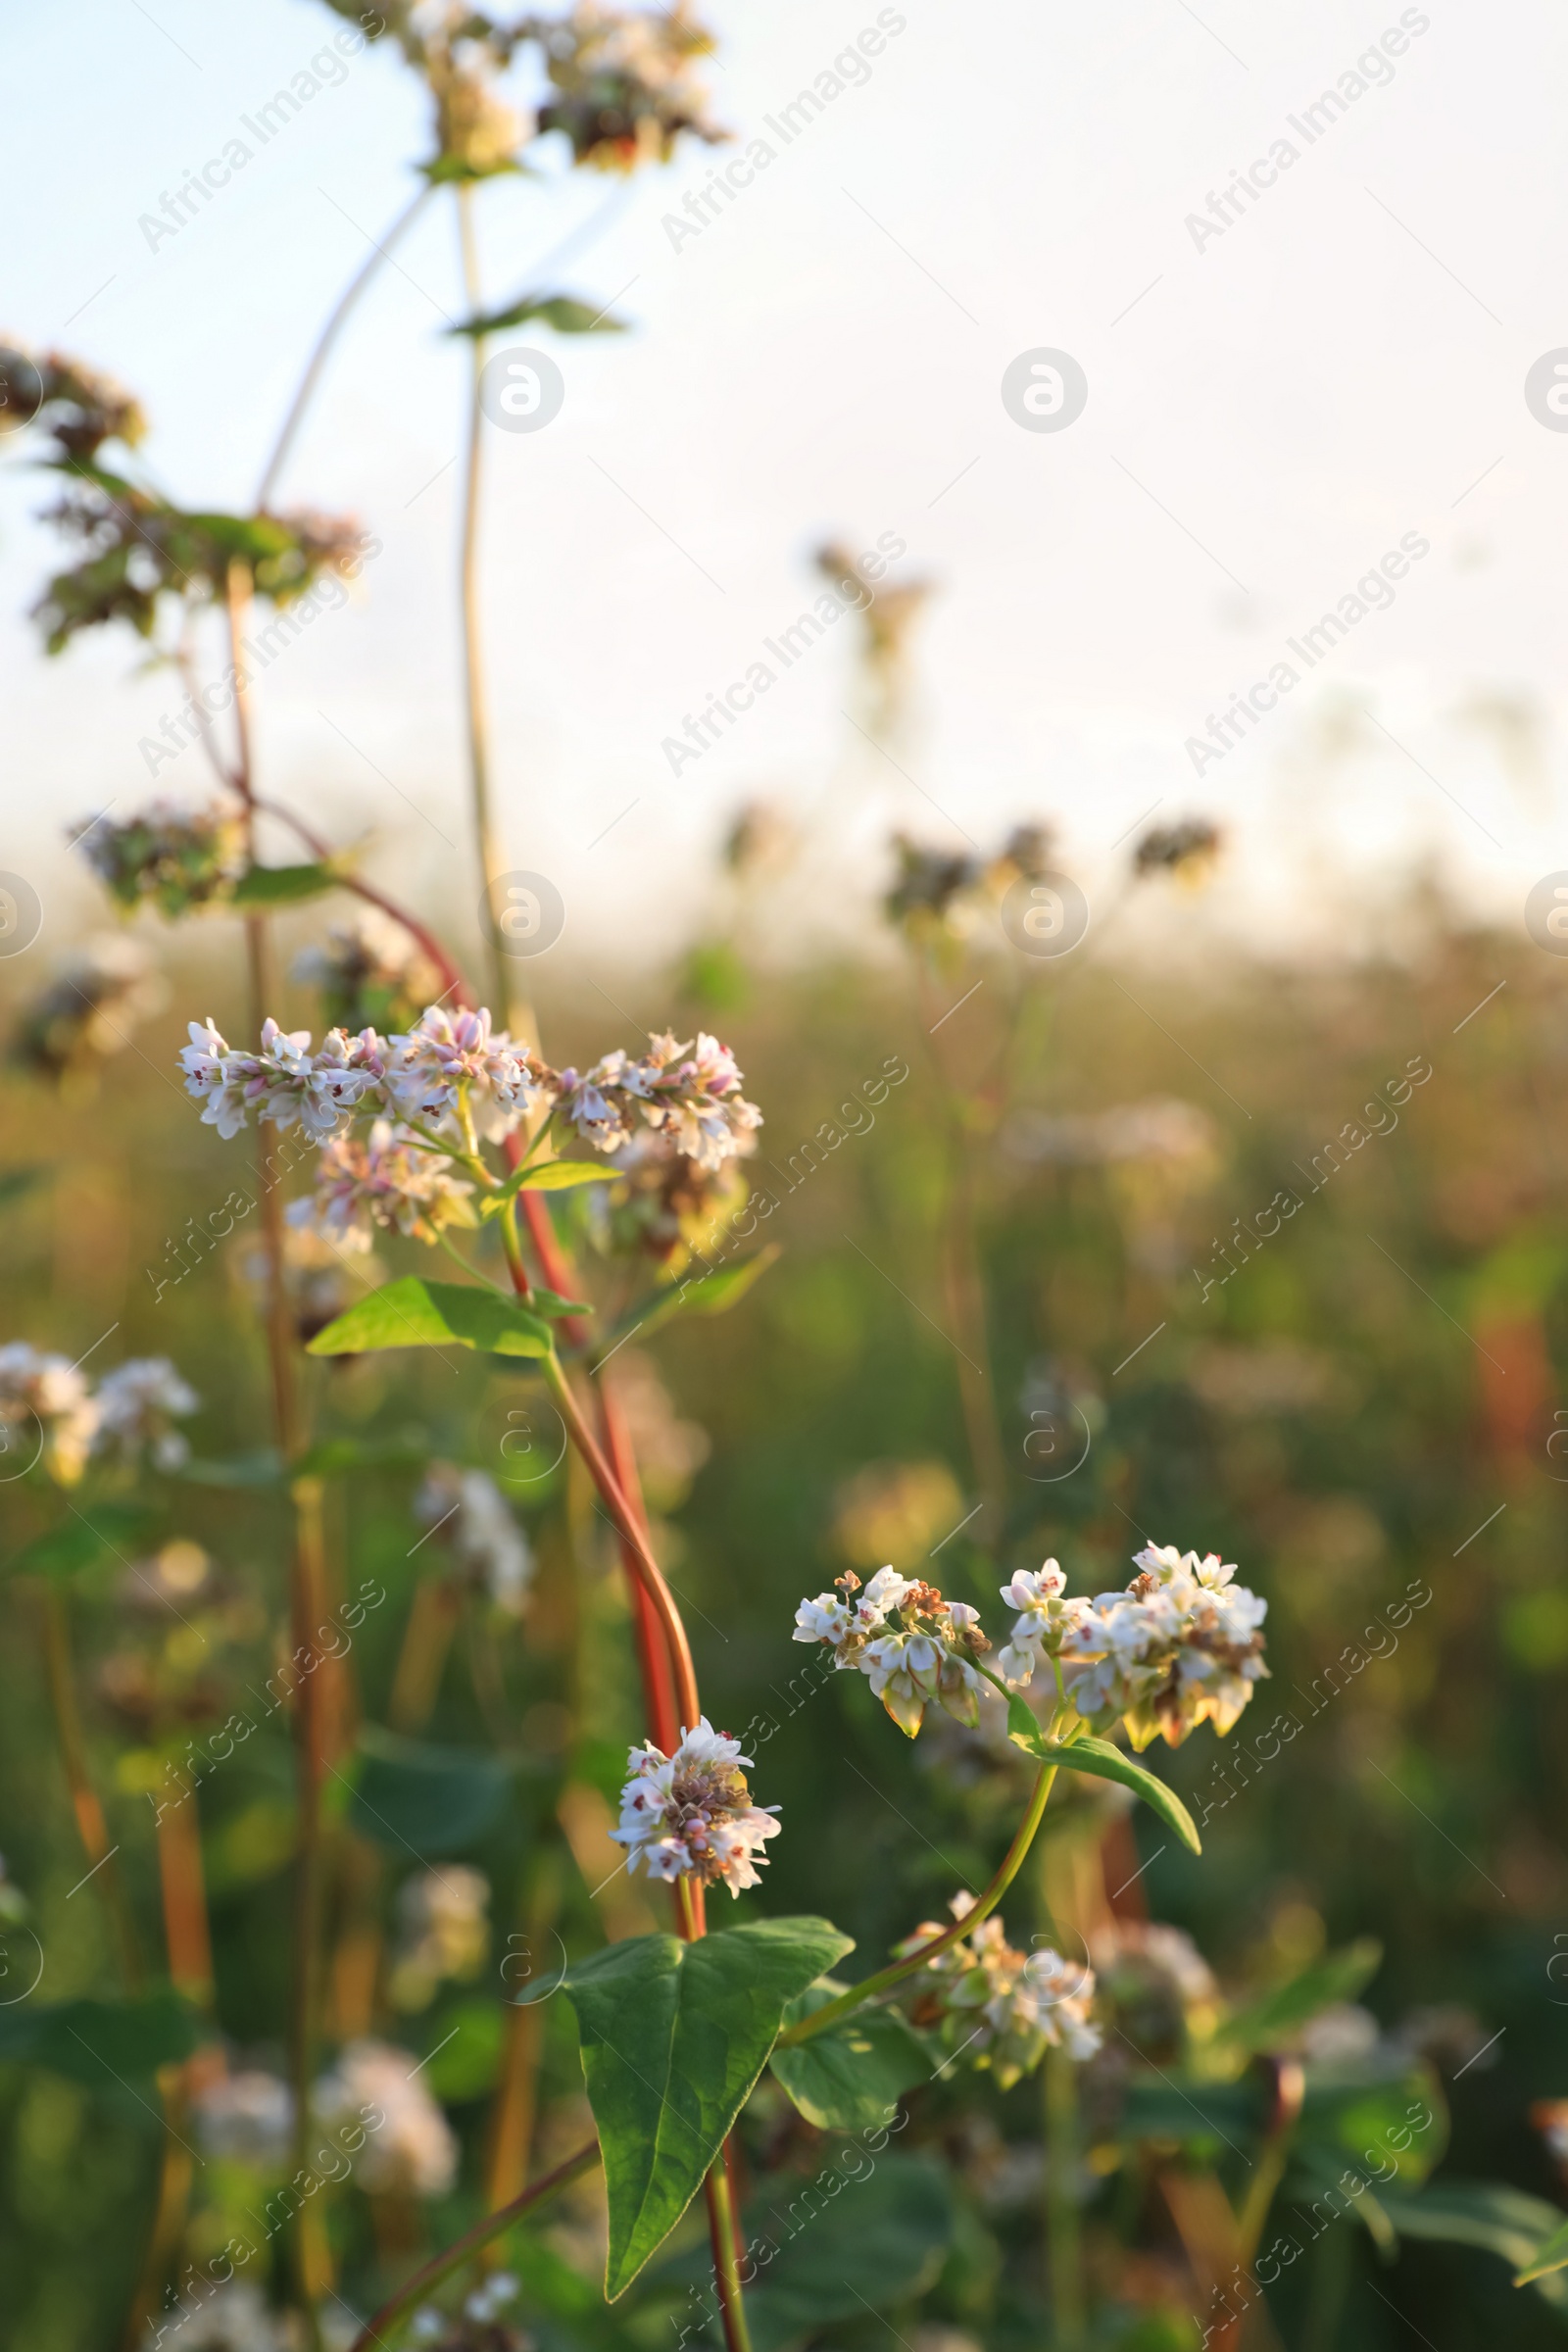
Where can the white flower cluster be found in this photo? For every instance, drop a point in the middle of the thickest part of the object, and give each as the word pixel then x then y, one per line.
pixel 690 1093
pixel 132 1412
pixel 285 1082
pixel 693 1812
pixel 1182 1646
pixel 907 1665
pixel 412 2150
pixel 387 1180
pixel 487 1545
pixel 451 1072
pixel 1003 2008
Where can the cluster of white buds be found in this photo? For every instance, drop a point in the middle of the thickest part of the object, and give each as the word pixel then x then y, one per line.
pixel 1182 1646
pixel 908 1664
pixel 387 1180
pixel 692 1812
pixel 1000 2007
pixel 49 1414
pixel 453 1073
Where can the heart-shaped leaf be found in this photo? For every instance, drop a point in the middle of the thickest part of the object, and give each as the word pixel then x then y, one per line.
pixel 412 1314
pixel 1106 1763
pixel 673 2037
pixel 849 2077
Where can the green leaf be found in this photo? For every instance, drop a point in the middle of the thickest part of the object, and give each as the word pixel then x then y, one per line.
pixel 281 885
pixel 1485 2213
pixel 412 1796
pixel 96 2042
pixel 1184 2107
pixel 79 1542
pixel 849 2078
pixel 412 1314
pixel 709 1295
pixel 1552 2256
pixel 1106 1763
pixel 673 2037
pixel 552 1306
pixel 1275 2015
pixel 1361 2111
pixel 548 1176
pixel 563 312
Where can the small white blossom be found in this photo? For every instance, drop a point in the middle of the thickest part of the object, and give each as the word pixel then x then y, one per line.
pixel 693 1812
pixel 412 2148
pixel 451 1060
pixel 137 1403
pixel 1046 1620
pixel 47 1394
pixel 285 1082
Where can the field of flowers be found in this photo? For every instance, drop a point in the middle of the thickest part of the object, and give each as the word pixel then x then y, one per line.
pixel 883 1660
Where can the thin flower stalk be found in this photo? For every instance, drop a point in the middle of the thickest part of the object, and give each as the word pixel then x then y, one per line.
pixel 91 1827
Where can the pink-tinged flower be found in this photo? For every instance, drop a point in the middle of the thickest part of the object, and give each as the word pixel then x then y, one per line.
pixel 452 1061
pixel 693 1094
pixel 1182 1646
pixel 1044 1622
pixel 693 1812
pixel 600 1101
pixel 384 1181
pixel 285 1082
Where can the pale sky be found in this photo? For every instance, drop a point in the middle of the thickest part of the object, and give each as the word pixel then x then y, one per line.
pixel 1269 414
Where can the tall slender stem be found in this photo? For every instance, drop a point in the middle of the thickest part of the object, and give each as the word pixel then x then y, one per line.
pixel 425 2282
pixel 327 337
pixel 490 864
pixel 91 1827
pixel 1063 2226
pixel 727 2265
pixel 630 1528
pixel 933 1947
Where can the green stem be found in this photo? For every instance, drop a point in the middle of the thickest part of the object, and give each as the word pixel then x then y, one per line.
pixel 425 2282
pixel 726 2267
pixel 1062 2220
pixel 886 1977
